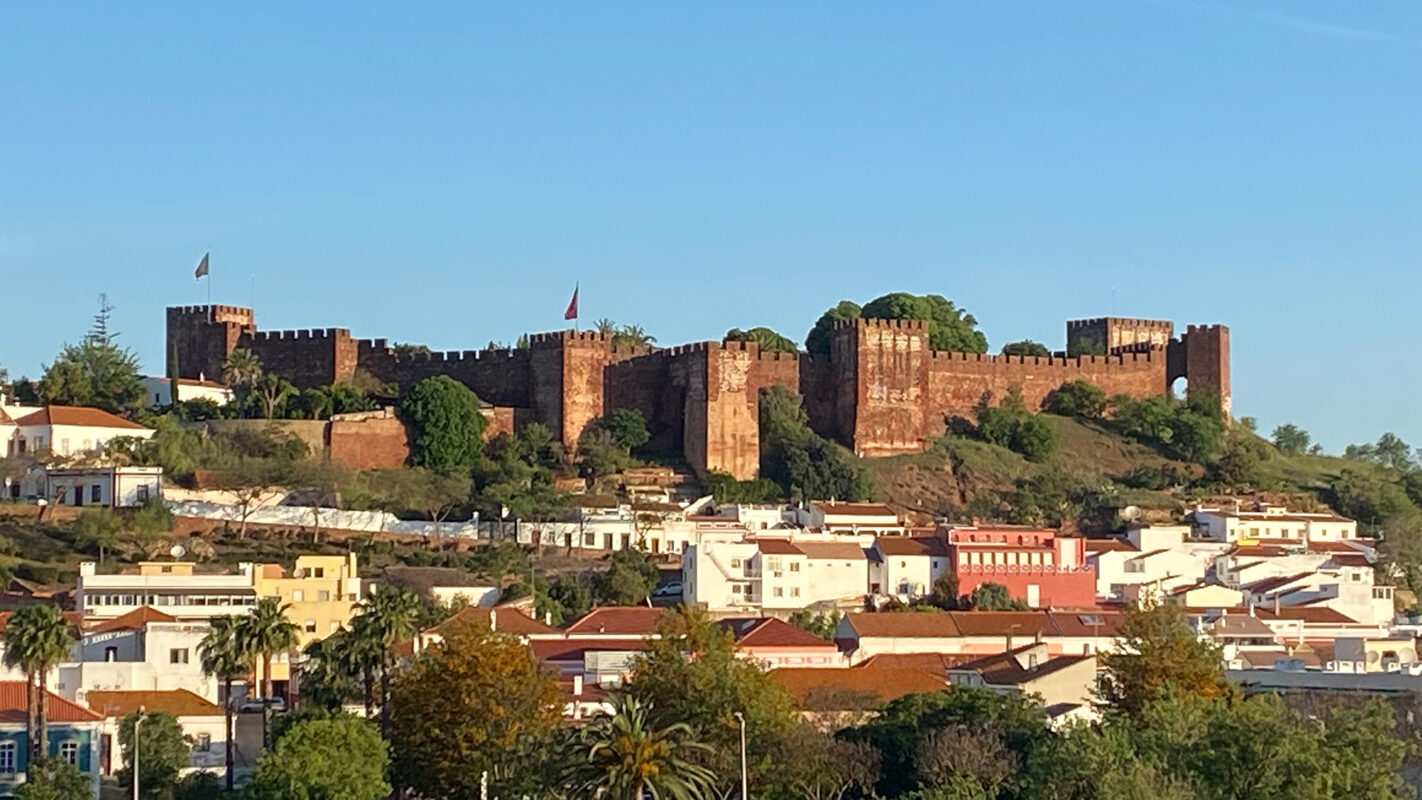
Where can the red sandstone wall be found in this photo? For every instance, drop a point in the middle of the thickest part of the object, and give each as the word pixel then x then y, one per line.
pixel 500 419
pixel 890 384
pixel 307 358
pixel 819 394
pixel 498 377
pixel 372 440
pixel 203 336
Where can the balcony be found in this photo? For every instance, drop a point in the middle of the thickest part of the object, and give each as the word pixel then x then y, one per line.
pixel 1020 569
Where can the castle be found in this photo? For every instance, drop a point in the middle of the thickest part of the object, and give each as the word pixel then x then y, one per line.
pixel 881 390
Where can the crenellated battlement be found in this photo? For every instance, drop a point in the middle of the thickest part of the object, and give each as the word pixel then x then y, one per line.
pixel 240 315
pixel 1130 322
pixel 1206 329
pixel 875 323
pixel 565 337
pixel 1144 357
pixel 300 335
pixel 382 348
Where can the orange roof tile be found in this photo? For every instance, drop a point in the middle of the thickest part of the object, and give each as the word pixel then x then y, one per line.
pixel 771 632
pixel 79 416
pixel 829 689
pixel 618 621
pixel 936 625
pixel 13 697
pixel 178 702
pixel 912 546
pixel 503 618
pixel 134 620
pixel 849 551
pixel 933 663
pixel 857 509
pixel 778 547
pixel 574 649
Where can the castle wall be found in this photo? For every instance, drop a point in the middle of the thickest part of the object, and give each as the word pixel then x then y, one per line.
pixel 200 338
pixel 499 377
pixel 367 440
pixel 1201 357
pixel 306 358
pixel 819 392
pixel 889 385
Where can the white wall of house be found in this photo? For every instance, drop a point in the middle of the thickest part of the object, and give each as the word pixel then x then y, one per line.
pixel 906 577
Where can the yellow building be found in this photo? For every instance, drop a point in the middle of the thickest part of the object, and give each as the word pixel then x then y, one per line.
pixel 320 593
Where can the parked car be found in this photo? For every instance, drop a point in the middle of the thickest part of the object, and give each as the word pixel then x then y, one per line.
pixel 672 589
pixel 256 703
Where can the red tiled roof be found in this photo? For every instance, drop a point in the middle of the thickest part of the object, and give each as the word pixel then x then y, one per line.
pixel 778 547
pixel 1277 582
pixel 178 702
pixel 770 632
pixel 1318 615
pixel 829 689
pixel 848 551
pixel 924 625
pixel 76 415
pixel 134 620
pixel 1020 624
pixel 13 699
pixel 1086 623
pixel 1108 546
pixel 573 649
pixel 618 621
pixel 503 618
pixel 1004 669
pixel 912 546
pixel 1350 560
pixel 857 509
pixel 932 663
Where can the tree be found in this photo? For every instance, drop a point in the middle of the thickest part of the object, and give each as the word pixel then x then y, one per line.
pixel 327 678
pixel 996 597
pixel 1291 439
pixel 54 779
pixel 252 482
pixel 95 373
pixel 201 785
pixel 627 426
pixel 387 616
pixel 768 340
pixel 272 390
pixel 339 758
pixel 476 702
pixel 162 752
pixel 693 674
pixel 949 327
pixel 36 640
pixel 1026 347
pixel 1011 425
pixel 1077 399
pixel 438 496
pixel 98 528
pixel 817 341
pixel 241 369
pixel 446 425
pixel 801 461
pixel 1157 651
pixel 223 658
pixel 628 755
pixel 816 765
pixel 630 578
pixel 262 636
pixel 632 336
pixel 599 454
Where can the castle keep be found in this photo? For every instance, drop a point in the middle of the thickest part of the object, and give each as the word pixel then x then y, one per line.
pixel 881 390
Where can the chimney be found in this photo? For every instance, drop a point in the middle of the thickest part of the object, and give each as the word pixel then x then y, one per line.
pixel 493 619
pixel 1276 605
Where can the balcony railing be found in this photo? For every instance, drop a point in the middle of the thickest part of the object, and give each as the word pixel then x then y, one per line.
pixel 1020 569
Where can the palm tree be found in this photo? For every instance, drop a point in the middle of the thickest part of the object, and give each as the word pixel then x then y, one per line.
pixel 627 755
pixel 326 678
pixel 605 326
pixel 387 616
pixel 222 658
pixel 633 336
pixel 262 636
pixel 361 655
pixel 37 640
pixel 242 368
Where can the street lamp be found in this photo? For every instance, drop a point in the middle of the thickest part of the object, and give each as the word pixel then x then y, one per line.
pixel 136 722
pixel 745 793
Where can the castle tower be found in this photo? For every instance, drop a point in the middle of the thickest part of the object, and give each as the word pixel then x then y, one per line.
pixel 200 338
pixel 1201 357
pixel 1115 335
pixel 881 374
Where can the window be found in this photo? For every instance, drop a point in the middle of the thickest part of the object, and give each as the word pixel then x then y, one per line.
pixel 310 626
pixel 178 655
pixel 69 752
pixel 589 540
pixel 795 591
pixel 735 588
pixel 111 654
pixel 735 563
pixel 323 595
pixel 204 743
pixel 903 563
pixel 94 493
pixel 7 758
pixel 142 494
pixel 794 566
pixel 318 572
pixel 297 595
pixel 779 592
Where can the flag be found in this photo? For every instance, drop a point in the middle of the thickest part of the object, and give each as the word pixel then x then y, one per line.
pixel 572 312
pixel 202 267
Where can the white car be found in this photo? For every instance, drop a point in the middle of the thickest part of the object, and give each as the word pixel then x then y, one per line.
pixel 256 703
pixel 672 589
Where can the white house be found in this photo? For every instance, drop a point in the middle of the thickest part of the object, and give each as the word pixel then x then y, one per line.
pixel 171 587
pixel 724 573
pixel 872 519
pixel 203 722
pixel 1270 522
pixel 109 486
pixel 158 391
pixel 907 566
pixel 144 650
pixel 68 430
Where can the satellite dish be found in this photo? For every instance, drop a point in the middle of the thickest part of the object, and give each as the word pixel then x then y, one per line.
pixel 1131 513
pixel 298 573
pixel 177 551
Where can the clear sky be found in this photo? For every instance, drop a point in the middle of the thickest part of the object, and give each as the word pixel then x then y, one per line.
pixel 443 174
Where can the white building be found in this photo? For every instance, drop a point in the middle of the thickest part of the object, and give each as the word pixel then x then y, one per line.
pixel 170 587
pixel 1268 522
pixel 737 573
pixel 109 486
pixel 158 391
pixel 872 519
pixel 65 430
pixel 202 721
pixel 144 650
pixel 1150 562
pixel 906 567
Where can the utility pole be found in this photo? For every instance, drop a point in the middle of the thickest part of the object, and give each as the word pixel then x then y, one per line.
pixel 136 723
pixel 745 782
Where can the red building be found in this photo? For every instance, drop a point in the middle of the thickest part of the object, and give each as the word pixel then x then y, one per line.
pixel 1036 565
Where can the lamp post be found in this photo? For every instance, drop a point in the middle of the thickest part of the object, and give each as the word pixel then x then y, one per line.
pixel 136 722
pixel 745 791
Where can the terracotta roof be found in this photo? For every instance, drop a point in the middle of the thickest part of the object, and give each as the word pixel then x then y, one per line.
pixel 178 702
pixel 829 689
pixel 1108 546
pixel 595 501
pixel 832 550
pixel 76 415
pixel 917 625
pixel 574 649
pixel 1350 560
pixel 618 621
pixel 1004 669
pixel 770 632
pixel 502 618
pixel 134 620
pixel 12 706
pixel 1021 625
pixel 912 546
pixel 857 509
pixel 932 663
pixel 778 547
pixel 1086 623
pixel 1327 546
pixel 1241 625
pixel 1277 582
pixel 1318 615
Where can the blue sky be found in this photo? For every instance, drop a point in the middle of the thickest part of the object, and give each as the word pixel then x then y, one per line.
pixel 445 173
